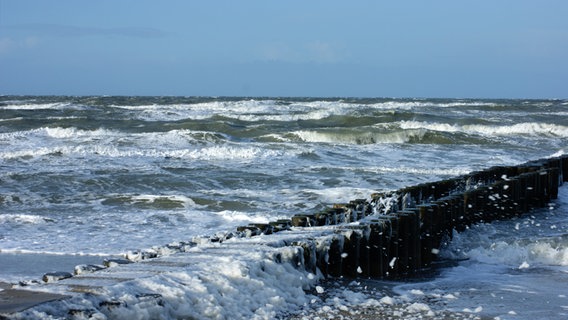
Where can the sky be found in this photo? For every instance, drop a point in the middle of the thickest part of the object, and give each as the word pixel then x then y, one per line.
pixel 403 49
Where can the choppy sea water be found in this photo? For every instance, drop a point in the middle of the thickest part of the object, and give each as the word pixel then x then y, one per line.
pixel 516 269
pixel 105 175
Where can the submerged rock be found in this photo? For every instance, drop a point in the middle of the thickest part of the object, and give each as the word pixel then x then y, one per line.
pixel 114 262
pixel 56 276
pixel 87 268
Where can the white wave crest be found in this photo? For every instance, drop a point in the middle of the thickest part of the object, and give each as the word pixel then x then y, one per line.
pixel 271 110
pixel 48 141
pixel 340 194
pixel 38 106
pixel 410 105
pixel 229 153
pixel 521 253
pixel 456 171
pixel 517 244
pixel 396 137
pixel 151 199
pixel 246 110
pixel 57 133
pixel 243 217
pixel 208 153
pixel 35 152
pixel 525 128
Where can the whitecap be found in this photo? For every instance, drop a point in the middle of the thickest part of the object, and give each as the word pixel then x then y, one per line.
pixel 340 194
pixel 181 200
pixel 229 153
pixel 38 106
pixel 34 152
pixel 429 171
pixel 396 137
pixel 23 219
pixel 526 128
pixel 244 217
pixel 72 133
pixel 409 105
pixel 477 244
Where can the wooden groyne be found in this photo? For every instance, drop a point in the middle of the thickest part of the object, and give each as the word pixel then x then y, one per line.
pixel 393 235
pixel 400 232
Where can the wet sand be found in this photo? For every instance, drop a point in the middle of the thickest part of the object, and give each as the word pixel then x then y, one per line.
pixel 15 300
pixel 32 266
pixel 17 267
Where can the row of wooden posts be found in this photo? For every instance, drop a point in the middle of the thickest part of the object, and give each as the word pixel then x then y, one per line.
pixel 399 233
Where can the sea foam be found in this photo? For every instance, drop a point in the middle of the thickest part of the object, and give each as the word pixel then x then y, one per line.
pixel 527 128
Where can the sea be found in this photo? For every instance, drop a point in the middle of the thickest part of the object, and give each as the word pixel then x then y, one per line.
pixel 82 178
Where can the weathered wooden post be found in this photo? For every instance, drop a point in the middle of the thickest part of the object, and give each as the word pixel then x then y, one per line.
pixel 564 166
pixel 333 265
pixel 304 220
pixel 553 182
pixel 377 249
pixel 504 190
pixel 403 239
pixel 428 232
pixel 281 224
pixel 409 237
pixel 309 254
pixel 350 253
pixel 531 193
pixel 393 266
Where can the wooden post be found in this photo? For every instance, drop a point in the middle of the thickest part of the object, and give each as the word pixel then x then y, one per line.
pixel 393 265
pixel 428 231
pixel 350 254
pixel 309 254
pixel 553 182
pixel 304 220
pixel 564 166
pixel 409 237
pixel 334 259
pixel 377 250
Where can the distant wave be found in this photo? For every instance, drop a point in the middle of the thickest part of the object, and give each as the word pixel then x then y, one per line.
pixel 526 128
pixel 378 135
pixel 360 137
pixel 57 132
pixel 152 201
pixel 210 153
pixel 247 110
pixel 421 171
pixel 32 106
pixel 421 104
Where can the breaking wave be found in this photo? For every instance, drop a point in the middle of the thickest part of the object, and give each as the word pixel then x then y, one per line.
pixel 526 128
pixel 360 137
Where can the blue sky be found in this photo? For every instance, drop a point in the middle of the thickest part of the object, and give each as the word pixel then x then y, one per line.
pixel 446 48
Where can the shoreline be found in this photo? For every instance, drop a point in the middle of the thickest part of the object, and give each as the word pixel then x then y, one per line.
pixel 18 267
